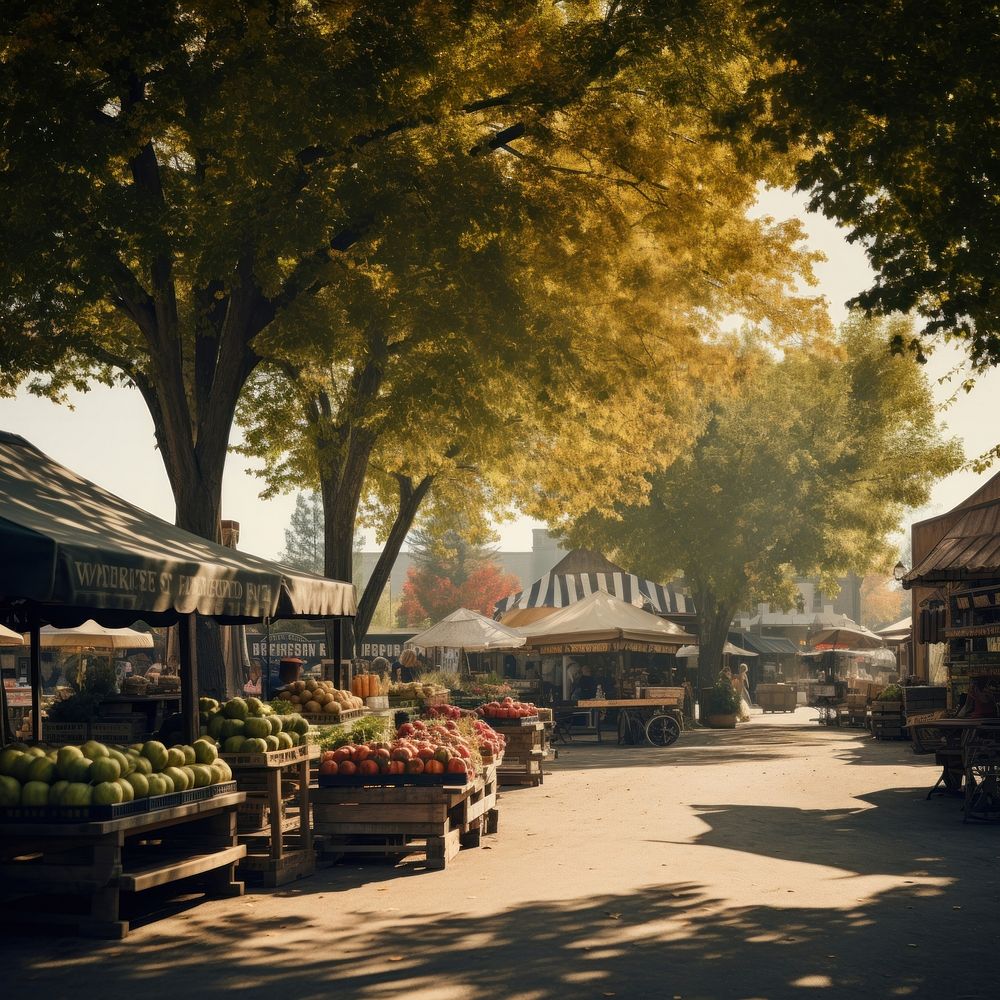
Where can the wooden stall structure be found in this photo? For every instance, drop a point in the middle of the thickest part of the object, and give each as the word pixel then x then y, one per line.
pixel 275 822
pixel 71 551
pixel 86 867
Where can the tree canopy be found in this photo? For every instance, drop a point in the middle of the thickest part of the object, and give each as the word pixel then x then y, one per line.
pixel 806 469
pixel 894 107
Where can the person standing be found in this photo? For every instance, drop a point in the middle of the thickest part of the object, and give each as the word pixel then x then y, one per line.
pixel 407 666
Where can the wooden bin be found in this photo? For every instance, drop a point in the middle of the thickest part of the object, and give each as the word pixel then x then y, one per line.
pixel 524 754
pixel 388 821
pixel 887 721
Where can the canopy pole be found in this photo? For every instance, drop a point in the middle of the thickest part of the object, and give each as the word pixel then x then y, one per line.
pixel 35 674
pixel 189 677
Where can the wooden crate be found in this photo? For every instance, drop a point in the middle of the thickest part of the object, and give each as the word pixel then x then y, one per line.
pixel 283 850
pixel 392 822
pixel 272 758
pixel 887 720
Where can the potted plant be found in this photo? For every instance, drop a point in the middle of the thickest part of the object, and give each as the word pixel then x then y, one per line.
pixel 722 708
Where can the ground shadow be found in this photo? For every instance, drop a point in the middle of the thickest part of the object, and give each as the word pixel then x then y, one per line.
pixel 667 940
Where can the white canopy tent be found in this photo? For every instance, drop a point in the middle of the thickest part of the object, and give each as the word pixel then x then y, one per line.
pixel 8 637
pixel 90 635
pixel 468 630
pixel 729 649
pixel 602 623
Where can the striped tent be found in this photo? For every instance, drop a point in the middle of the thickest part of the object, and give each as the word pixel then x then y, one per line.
pixel 558 590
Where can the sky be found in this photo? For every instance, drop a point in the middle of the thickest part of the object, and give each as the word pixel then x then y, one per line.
pixel 107 435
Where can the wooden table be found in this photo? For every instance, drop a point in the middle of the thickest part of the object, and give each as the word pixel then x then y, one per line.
pixel 99 860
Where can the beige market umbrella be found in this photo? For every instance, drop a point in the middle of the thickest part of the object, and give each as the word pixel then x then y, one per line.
pixel 845 636
pixel 95 636
pixel 8 637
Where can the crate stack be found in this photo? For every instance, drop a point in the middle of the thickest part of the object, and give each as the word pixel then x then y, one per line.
pixel 275 821
pixel 887 720
pixel 924 699
pixel 524 755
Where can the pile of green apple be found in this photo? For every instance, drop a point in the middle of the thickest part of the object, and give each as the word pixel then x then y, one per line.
pixel 95 774
pixel 249 725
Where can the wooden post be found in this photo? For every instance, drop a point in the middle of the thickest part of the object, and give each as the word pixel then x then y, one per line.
pixel 35 679
pixel 189 677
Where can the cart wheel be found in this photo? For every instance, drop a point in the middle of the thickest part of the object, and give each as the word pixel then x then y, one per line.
pixel 662 730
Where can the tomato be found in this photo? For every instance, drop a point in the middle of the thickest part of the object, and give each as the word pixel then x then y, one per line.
pixel 415 766
pixel 456 765
pixel 348 767
pixel 328 767
pixel 341 754
pixel 433 767
pixel 368 767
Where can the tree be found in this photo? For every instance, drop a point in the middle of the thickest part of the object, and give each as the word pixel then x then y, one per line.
pixel 882 601
pixel 606 248
pixel 304 534
pixel 805 470
pixel 451 572
pixel 895 105
pixel 179 177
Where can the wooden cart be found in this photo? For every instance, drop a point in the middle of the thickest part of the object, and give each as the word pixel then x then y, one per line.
pixel 658 719
pixel 94 862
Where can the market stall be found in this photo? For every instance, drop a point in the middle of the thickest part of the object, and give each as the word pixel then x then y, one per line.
pixel 70 551
pixel 622 636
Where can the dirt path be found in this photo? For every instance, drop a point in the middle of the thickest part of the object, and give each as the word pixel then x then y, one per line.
pixel 780 860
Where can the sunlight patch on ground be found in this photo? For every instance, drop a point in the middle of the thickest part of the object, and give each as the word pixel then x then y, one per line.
pixel 813 982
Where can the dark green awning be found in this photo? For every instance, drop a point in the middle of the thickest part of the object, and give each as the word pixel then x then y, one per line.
pixel 72 550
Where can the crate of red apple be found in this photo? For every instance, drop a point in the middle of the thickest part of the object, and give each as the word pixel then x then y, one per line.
pixel 439 753
pixel 509 712
pixel 491 743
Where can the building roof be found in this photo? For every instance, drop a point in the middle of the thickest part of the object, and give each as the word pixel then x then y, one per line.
pixel 969 551
pixel 584 561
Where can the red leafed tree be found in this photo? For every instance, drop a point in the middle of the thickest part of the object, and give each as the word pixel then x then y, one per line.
pixel 428 596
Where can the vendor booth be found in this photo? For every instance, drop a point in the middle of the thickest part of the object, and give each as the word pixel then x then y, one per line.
pixel 608 652
pixel 71 551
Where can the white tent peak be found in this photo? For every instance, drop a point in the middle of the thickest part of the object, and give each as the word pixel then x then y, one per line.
pixel 467 629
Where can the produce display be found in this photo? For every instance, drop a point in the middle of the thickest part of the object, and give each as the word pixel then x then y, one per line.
pixel 415 691
pixel 491 743
pixel 95 774
pixel 507 709
pixel 418 748
pixel 248 725
pixel 445 712
pixel 369 685
pixel 314 697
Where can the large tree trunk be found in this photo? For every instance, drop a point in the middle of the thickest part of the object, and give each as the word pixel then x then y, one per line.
pixel 714 620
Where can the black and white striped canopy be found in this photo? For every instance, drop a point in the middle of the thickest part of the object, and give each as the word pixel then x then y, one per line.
pixel 557 590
